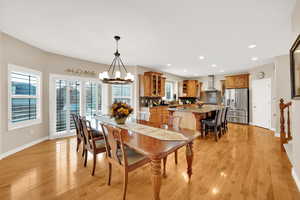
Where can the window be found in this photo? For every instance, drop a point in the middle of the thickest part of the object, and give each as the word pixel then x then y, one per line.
pixel 93 97
pixel 24 101
pixel 122 93
pixel 169 90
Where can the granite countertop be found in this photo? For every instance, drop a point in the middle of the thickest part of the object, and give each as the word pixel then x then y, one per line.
pixel 204 109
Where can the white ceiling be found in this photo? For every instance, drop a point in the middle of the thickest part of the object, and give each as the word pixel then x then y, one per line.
pixel 157 32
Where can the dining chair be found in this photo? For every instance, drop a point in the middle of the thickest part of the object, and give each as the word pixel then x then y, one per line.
pixel 94 145
pixel 174 123
pixel 224 116
pixel 215 124
pixel 119 155
pixel 78 131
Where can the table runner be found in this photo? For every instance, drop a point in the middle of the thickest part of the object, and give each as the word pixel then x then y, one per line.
pixel 158 133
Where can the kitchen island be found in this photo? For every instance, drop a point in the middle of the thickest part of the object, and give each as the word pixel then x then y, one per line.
pixel 191 116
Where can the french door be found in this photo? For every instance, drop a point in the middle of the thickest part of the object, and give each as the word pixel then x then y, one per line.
pixel 72 96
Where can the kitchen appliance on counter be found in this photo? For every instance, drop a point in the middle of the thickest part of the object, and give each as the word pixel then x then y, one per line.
pixel 238 102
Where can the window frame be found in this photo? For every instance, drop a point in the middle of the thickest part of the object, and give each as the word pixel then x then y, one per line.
pixel 120 97
pixel 28 71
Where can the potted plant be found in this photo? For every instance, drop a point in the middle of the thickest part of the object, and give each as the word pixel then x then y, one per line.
pixel 120 111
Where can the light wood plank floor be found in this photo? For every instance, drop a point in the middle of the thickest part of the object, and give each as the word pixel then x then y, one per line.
pixel 245 164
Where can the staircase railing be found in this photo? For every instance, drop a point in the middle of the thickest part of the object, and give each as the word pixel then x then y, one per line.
pixel 285 136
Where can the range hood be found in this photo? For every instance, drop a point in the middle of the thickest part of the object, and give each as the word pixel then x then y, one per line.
pixel 211 84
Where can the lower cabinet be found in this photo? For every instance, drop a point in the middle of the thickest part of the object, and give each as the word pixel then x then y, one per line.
pixel 159 114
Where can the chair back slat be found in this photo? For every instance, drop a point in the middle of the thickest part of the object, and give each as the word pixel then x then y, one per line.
pixel 88 136
pixel 75 119
pixel 219 117
pixel 114 144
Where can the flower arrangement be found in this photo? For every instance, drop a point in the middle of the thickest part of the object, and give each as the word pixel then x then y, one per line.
pixel 120 111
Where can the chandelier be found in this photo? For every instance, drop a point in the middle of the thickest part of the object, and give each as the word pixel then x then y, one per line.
pixel 113 75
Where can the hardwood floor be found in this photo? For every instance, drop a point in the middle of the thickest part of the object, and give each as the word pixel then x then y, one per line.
pixel 245 164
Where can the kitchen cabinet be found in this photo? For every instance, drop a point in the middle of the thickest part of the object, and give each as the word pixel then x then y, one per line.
pixel 237 81
pixel 152 84
pixel 159 114
pixel 190 88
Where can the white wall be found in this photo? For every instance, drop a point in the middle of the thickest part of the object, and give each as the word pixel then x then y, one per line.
pixel 296 18
pixel 283 83
pixel 296 139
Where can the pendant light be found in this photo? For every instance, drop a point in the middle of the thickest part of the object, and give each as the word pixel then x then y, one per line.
pixel 114 75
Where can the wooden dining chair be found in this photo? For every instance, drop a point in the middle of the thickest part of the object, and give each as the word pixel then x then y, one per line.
pixel 79 134
pixel 119 155
pixel 174 123
pixel 94 145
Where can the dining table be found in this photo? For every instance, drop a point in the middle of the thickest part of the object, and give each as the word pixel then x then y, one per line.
pixel 156 141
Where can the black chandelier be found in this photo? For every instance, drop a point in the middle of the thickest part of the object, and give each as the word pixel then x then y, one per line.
pixel 113 75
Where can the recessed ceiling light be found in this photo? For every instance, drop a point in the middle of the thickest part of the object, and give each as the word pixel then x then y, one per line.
pixel 169 65
pixel 184 70
pixel 254 58
pixel 201 57
pixel 213 65
pixel 252 46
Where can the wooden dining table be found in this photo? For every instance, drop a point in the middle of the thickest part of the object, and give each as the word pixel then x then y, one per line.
pixel 157 149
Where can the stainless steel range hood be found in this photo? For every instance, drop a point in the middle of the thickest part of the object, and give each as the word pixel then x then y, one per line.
pixel 211 84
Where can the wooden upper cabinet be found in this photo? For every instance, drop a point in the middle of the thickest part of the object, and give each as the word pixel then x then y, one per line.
pixel 152 84
pixel 237 81
pixel 190 88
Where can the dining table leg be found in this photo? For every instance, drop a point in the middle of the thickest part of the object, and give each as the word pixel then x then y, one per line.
pixel 156 177
pixel 189 158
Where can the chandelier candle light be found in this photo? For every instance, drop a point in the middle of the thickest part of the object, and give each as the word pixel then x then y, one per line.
pixel 113 75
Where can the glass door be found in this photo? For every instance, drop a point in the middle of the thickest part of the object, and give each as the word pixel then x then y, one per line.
pixel 69 95
pixel 67 103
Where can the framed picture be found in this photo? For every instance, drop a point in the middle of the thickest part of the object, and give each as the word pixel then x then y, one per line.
pixel 295 68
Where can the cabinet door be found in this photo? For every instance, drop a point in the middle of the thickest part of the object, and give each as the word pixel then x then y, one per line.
pixel 147 86
pixel 241 81
pixel 162 86
pixel 153 85
pixel 229 82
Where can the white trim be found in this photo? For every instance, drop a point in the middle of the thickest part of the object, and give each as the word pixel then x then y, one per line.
pixel 69 134
pixel 296 178
pixel 20 148
pixel 28 71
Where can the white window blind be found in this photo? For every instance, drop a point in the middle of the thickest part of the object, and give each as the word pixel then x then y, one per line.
pixel 24 97
pixel 122 93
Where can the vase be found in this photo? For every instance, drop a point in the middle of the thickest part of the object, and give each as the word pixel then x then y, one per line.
pixel 121 120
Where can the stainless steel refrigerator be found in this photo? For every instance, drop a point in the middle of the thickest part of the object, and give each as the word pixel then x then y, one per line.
pixel 238 102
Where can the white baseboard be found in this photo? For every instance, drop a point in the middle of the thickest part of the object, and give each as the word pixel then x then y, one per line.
pixel 273 129
pixel 296 178
pixel 20 148
pixel 53 137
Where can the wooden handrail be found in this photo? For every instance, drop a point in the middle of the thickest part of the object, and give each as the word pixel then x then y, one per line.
pixel 285 137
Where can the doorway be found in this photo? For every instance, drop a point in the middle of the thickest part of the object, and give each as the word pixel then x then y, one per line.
pixel 261 103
